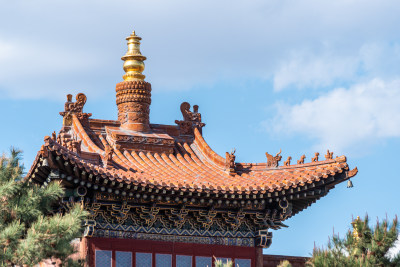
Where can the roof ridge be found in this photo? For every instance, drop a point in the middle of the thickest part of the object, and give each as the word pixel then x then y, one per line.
pixel 80 131
pixel 207 151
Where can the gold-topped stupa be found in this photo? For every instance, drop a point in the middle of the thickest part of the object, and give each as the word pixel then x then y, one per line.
pixel 134 94
pixel 133 65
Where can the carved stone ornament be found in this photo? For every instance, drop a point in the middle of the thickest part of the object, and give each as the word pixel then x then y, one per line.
pixel 315 158
pixel 133 102
pixel 189 115
pixel 191 119
pixel 54 136
pixel 287 162
pixel 186 127
pixel 108 153
pixel 352 173
pixel 74 108
pixel 301 160
pixel 230 161
pixel 273 161
pixel 77 106
pixel 84 118
pixel 329 155
pixel 73 145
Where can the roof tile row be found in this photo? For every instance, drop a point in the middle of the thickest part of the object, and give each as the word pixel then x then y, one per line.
pixel 193 166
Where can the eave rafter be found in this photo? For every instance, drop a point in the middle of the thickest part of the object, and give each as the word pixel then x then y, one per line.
pixel 76 174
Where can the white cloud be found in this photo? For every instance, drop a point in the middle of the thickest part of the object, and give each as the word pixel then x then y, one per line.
pixel 315 69
pixel 394 250
pixel 343 117
pixel 301 43
pixel 7 51
pixel 310 70
pixel 31 70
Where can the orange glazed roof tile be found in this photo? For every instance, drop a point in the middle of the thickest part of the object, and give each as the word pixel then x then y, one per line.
pixel 182 164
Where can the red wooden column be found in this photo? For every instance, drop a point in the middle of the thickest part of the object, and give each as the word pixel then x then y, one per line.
pixel 259 257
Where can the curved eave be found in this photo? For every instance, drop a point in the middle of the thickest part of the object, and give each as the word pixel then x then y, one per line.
pixel 194 170
pixel 55 157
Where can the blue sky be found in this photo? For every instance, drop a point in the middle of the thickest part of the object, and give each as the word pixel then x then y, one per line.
pixel 301 76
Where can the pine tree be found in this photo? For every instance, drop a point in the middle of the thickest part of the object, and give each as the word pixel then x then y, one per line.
pixel 29 229
pixel 220 263
pixel 363 246
pixel 284 263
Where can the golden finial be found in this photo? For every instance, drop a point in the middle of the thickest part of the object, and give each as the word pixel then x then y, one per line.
pixel 133 65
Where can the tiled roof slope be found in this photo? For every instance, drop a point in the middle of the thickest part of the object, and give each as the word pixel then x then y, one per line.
pixel 184 162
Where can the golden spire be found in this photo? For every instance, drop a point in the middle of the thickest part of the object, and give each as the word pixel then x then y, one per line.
pixel 133 65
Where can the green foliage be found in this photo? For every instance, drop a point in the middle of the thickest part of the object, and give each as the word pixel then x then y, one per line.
pixel 29 231
pixel 284 263
pixel 363 246
pixel 219 263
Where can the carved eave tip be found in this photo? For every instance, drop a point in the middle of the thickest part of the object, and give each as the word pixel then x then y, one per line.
pixel 352 172
pixel 133 59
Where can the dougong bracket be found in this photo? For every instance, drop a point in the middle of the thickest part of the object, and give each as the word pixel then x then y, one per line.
pixel 264 238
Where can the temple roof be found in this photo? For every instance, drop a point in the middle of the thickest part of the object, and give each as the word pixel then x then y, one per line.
pixel 189 164
pixel 131 151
